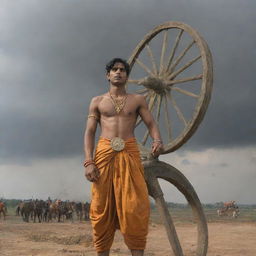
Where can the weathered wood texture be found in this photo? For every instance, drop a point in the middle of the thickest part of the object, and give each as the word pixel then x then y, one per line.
pixel 161 80
pixel 156 169
pixel 157 89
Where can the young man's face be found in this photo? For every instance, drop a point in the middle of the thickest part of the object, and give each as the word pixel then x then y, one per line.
pixel 117 75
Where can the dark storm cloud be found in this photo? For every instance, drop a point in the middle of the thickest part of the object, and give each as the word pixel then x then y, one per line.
pixel 52 62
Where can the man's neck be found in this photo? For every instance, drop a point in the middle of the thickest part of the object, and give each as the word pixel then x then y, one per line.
pixel 117 91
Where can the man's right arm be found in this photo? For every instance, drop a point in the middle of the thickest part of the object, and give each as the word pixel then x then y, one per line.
pixel 91 171
pixel 147 117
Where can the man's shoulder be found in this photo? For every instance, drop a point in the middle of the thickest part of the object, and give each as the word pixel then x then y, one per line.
pixel 137 97
pixel 98 98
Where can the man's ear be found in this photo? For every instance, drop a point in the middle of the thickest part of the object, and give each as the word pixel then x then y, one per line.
pixel 107 75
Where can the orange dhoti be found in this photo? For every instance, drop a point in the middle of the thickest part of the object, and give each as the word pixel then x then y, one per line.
pixel 119 197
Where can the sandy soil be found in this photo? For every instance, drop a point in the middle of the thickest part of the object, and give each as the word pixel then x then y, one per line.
pixel 74 239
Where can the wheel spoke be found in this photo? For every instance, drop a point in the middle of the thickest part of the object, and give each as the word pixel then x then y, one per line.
pixel 157 193
pixel 157 117
pixel 151 56
pixel 142 90
pixel 152 101
pixel 161 68
pixel 136 81
pixel 177 61
pixel 145 137
pixel 150 106
pixel 179 113
pixel 147 95
pixel 185 92
pixel 169 226
pixel 139 118
pixel 144 67
pixel 158 108
pixel 173 75
pixel 183 80
pixel 167 118
pixel 138 121
pixel 177 40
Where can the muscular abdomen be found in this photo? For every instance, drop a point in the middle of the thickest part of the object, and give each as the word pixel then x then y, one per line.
pixel 118 126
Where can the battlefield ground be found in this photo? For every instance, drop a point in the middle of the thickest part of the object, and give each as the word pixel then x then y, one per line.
pixel 227 236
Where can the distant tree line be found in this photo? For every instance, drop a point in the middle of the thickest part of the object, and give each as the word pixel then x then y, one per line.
pixel 11 203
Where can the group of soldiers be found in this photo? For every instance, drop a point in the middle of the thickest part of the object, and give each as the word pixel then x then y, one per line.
pixel 57 210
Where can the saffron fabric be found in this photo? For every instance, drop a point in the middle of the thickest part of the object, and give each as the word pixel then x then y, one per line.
pixel 119 197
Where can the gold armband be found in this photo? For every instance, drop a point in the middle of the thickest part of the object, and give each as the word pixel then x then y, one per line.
pixel 94 116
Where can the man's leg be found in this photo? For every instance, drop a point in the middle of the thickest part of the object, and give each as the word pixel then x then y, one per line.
pixel 137 252
pixel 105 253
pixel 133 214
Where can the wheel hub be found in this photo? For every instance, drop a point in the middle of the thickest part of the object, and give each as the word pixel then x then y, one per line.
pixel 156 84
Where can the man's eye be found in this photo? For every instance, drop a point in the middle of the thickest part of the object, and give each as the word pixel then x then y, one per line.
pixel 121 69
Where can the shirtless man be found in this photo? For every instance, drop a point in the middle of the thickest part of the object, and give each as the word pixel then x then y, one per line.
pixel 119 192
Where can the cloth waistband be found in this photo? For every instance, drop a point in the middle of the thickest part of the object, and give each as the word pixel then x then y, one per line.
pixel 132 139
pixel 105 153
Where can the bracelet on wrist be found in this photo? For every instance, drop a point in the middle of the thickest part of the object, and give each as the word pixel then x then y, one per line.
pixel 157 141
pixel 88 162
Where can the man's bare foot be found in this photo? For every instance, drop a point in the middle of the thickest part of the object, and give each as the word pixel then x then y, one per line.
pixel 105 253
pixel 137 252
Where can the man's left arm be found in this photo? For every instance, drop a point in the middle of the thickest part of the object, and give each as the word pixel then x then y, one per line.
pixel 146 116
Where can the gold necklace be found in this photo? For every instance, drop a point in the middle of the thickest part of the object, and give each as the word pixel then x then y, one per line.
pixel 118 104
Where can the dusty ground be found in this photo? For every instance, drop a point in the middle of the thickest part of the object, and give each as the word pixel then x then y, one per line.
pixel 74 239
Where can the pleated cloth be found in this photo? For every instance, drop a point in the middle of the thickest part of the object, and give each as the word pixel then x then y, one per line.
pixel 119 197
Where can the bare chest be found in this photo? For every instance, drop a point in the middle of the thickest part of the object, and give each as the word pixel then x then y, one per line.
pixel 107 108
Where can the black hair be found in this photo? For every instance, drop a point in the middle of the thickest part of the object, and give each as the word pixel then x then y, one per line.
pixel 111 64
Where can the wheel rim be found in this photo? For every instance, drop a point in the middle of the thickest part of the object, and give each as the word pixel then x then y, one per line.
pixel 165 80
pixel 157 169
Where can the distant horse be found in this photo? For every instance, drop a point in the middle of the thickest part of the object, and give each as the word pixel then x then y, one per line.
pixel 233 212
pixel 38 210
pixel 229 204
pixel 2 210
pixel 86 210
pixel 26 209
pixel 79 210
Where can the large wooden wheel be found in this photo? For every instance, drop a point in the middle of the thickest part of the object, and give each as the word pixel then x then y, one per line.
pixel 177 85
pixel 153 171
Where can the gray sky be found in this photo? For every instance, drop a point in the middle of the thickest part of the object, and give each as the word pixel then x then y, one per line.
pixel 52 59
